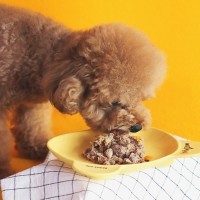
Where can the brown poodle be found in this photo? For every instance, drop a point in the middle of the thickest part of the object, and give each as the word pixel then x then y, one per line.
pixel 104 73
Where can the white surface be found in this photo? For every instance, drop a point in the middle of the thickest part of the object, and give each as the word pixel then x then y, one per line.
pixel 55 180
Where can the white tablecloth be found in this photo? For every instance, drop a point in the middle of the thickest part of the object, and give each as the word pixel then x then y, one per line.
pixel 55 180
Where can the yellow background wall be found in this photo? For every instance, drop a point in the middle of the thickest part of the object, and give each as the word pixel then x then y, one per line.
pixel 174 25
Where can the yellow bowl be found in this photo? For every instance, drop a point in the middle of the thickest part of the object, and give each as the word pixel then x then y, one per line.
pixel 162 147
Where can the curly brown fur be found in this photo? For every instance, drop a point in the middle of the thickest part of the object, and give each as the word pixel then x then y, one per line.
pixel 104 73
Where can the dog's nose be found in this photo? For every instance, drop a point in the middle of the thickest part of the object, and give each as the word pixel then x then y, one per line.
pixel 135 128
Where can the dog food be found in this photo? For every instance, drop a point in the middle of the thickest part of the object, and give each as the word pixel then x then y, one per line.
pixel 114 149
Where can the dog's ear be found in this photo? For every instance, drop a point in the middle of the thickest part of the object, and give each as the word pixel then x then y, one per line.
pixel 66 97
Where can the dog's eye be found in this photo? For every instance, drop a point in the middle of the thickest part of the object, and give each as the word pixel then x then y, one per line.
pixel 118 104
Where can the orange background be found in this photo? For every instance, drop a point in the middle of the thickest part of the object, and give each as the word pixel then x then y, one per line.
pixel 174 25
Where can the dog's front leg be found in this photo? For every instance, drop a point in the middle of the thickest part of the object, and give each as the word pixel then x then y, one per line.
pixel 5 146
pixel 31 129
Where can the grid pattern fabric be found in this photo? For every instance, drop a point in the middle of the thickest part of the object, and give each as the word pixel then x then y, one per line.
pixel 54 180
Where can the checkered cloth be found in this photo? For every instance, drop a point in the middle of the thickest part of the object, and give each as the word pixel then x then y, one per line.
pixel 55 180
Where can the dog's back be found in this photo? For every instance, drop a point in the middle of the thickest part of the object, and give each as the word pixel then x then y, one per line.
pixel 27 39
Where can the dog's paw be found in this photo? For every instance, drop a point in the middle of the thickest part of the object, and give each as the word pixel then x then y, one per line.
pixel 37 151
pixel 5 172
